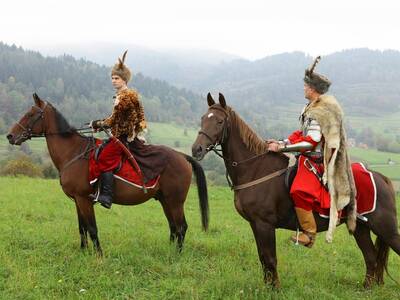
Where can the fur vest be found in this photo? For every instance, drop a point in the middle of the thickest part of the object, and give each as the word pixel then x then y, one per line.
pixel 337 167
pixel 127 118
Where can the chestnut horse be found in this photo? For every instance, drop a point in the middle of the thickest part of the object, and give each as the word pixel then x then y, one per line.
pixel 69 151
pixel 267 205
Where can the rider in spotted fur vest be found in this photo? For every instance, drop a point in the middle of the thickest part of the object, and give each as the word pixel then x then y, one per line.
pixel 126 122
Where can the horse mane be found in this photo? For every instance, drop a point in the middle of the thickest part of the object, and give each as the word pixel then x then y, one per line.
pixel 63 127
pixel 249 137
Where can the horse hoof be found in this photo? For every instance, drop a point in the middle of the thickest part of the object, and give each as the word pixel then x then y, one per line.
pixel 368 282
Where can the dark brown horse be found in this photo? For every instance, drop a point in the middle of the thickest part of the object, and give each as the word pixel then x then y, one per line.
pixel 68 150
pixel 267 205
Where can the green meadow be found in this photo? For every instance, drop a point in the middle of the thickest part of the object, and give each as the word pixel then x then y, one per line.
pixel 40 256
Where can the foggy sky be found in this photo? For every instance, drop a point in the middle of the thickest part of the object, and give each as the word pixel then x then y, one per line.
pixel 251 28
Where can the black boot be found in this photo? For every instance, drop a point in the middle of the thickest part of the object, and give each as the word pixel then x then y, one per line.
pixel 106 189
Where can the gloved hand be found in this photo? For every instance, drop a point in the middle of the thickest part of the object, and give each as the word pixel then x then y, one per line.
pixel 270 141
pixel 96 124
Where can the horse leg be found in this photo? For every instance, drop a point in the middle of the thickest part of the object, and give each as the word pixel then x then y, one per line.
pixel 86 208
pixel 172 227
pixel 388 237
pixel 181 226
pixel 177 222
pixel 82 228
pixel 364 242
pixel 264 234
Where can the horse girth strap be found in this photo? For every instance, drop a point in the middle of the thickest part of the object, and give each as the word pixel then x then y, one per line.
pixel 260 180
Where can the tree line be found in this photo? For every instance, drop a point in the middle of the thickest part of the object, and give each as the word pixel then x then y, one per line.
pixel 82 90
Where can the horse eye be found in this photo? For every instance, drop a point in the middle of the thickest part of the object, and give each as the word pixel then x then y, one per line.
pixel 220 122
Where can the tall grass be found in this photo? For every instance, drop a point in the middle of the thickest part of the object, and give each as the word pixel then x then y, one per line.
pixel 40 256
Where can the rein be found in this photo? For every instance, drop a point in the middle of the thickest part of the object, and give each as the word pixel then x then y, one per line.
pixel 214 145
pixel 27 134
pixel 27 131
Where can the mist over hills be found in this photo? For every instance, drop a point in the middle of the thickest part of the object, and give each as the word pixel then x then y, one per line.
pixel 268 92
pixel 364 80
pixel 172 65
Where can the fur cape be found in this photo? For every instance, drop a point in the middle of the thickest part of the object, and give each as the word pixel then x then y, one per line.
pixel 337 167
pixel 127 117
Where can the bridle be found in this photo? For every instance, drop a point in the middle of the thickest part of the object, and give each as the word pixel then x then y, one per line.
pixel 224 136
pixel 39 115
pixel 27 130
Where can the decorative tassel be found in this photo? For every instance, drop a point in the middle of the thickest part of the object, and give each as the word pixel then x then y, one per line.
pixel 122 61
pixel 316 61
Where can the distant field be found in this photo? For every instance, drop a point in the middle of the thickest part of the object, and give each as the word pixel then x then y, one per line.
pixel 378 161
pixel 40 256
pixel 159 133
pixel 373 156
pixel 388 126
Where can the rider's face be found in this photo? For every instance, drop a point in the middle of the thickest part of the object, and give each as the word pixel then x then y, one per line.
pixel 117 82
pixel 307 91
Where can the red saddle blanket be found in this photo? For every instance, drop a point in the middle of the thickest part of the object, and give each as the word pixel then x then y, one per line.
pixel 125 172
pixel 366 190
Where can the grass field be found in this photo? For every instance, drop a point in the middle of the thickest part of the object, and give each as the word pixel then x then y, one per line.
pixel 40 256
pixel 374 157
pixel 388 126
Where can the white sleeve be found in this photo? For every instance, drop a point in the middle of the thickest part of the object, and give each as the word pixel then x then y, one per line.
pixel 314 131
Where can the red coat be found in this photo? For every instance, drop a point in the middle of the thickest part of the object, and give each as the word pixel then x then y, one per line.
pixel 307 192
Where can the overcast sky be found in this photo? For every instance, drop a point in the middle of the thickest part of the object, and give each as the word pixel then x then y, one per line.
pixel 249 28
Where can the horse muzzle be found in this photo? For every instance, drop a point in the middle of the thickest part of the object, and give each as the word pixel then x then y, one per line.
pixel 15 140
pixel 198 152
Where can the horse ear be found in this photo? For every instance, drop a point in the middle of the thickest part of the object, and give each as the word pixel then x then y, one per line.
pixel 222 100
pixel 210 100
pixel 37 100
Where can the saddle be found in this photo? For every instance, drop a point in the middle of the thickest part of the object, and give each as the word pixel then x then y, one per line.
pixel 151 159
pixel 365 187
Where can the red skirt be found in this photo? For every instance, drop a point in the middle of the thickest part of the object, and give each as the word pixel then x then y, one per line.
pixel 110 157
pixel 307 191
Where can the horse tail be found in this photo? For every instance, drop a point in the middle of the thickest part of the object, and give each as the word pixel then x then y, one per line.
pixel 201 190
pixel 381 259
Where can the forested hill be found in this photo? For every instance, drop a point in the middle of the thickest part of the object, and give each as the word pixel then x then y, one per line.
pixel 82 90
pixel 365 81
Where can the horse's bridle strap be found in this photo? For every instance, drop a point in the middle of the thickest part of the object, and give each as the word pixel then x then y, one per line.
pixel 260 180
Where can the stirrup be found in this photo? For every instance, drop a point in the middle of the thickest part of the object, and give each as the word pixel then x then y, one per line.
pixel 310 236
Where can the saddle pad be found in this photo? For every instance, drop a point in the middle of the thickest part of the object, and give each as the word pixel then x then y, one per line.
pixel 366 190
pixel 125 173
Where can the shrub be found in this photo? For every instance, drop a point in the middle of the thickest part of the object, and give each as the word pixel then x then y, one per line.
pixel 22 166
pixel 49 171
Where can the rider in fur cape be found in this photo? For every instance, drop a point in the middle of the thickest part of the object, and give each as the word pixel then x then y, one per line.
pixel 323 161
pixel 337 175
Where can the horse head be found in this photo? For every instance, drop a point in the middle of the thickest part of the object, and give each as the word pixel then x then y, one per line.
pixel 214 127
pixel 30 125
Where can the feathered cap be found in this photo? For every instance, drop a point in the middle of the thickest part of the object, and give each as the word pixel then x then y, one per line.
pixel 317 81
pixel 121 70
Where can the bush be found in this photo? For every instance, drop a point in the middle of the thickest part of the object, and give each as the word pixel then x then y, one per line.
pixel 22 166
pixel 49 171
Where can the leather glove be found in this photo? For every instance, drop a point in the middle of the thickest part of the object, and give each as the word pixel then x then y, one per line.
pixel 96 124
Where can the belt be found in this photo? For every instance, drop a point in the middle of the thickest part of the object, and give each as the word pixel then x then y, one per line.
pixel 316 157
